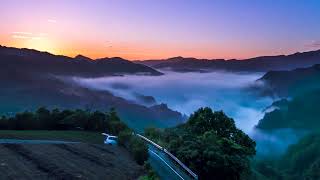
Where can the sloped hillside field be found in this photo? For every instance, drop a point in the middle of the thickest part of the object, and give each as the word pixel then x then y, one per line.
pixel 66 161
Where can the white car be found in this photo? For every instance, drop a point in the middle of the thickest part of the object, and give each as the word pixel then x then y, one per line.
pixel 111 140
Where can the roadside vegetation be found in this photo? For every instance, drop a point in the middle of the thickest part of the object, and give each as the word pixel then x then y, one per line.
pixel 151 174
pixel 210 144
pixel 72 125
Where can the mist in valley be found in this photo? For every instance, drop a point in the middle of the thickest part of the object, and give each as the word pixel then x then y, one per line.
pixel 186 92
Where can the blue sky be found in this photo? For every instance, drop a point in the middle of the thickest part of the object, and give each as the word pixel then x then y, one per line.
pixel 145 29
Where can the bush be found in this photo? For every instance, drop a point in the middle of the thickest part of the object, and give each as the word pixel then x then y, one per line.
pixel 137 147
pixel 124 137
pixel 139 150
pixel 44 119
pixel 151 174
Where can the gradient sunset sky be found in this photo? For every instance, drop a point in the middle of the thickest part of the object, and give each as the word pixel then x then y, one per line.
pixel 155 29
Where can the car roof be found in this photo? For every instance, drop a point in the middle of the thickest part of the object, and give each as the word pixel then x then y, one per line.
pixel 112 136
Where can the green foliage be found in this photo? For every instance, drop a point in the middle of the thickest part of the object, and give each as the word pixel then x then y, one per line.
pixel 124 137
pixel 44 119
pixel 138 149
pixel 302 158
pixel 301 161
pixel 265 169
pixel 155 134
pixel 151 174
pixel 301 112
pixel 210 144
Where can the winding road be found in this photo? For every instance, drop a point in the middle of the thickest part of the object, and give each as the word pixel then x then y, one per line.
pixel 165 167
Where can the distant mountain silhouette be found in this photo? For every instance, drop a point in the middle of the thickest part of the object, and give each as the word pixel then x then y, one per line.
pixel 29 79
pixel 257 64
pixel 291 83
pixel 43 62
pixel 28 92
pixel 299 109
pixel 82 58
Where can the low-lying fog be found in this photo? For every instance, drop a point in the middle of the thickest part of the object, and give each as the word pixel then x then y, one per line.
pixel 186 92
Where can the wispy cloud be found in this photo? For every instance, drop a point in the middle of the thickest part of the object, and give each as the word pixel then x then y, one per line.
pixel 22 33
pixel 313 44
pixel 20 37
pixel 28 35
pixel 52 21
pixel 108 44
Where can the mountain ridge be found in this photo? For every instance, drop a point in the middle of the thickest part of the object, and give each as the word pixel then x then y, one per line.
pixel 255 64
pixel 30 79
pixel 38 61
pixel 291 82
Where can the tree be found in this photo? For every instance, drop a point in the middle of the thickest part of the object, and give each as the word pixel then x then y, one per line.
pixel 96 122
pixel 4 123
pixel 112 115
pixel 211 145
pixel 25 121
pixel 138 149
pixel 44 118
pixel 114 124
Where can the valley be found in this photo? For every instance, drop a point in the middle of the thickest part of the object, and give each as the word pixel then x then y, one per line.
pixel 265 105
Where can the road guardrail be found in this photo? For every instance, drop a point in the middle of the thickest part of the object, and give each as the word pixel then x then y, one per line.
pixel 189 171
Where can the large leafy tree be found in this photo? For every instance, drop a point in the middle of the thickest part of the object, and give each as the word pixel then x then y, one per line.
pixel 210 144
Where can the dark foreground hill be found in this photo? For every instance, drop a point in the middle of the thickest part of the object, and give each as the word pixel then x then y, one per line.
pixel 257 64
pixel 66 161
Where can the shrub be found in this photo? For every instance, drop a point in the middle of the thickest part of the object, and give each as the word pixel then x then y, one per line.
pixel 124 137
pixel 151 174
pixel 139 149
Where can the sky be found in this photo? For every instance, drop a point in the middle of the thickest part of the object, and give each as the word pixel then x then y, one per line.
pixel 158 29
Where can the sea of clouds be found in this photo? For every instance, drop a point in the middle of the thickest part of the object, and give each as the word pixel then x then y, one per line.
pixel 186 92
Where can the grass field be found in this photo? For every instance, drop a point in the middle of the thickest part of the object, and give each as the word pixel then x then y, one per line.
pixel 78 136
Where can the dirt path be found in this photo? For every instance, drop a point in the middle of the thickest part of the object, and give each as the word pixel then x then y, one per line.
pixel 66 161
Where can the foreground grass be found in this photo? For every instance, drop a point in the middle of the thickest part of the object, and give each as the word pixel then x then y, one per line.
pixel 78 136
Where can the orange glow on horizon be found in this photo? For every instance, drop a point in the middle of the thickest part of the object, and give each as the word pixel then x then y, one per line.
pixel 59 44
pixel 156 30
pixel 134 53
